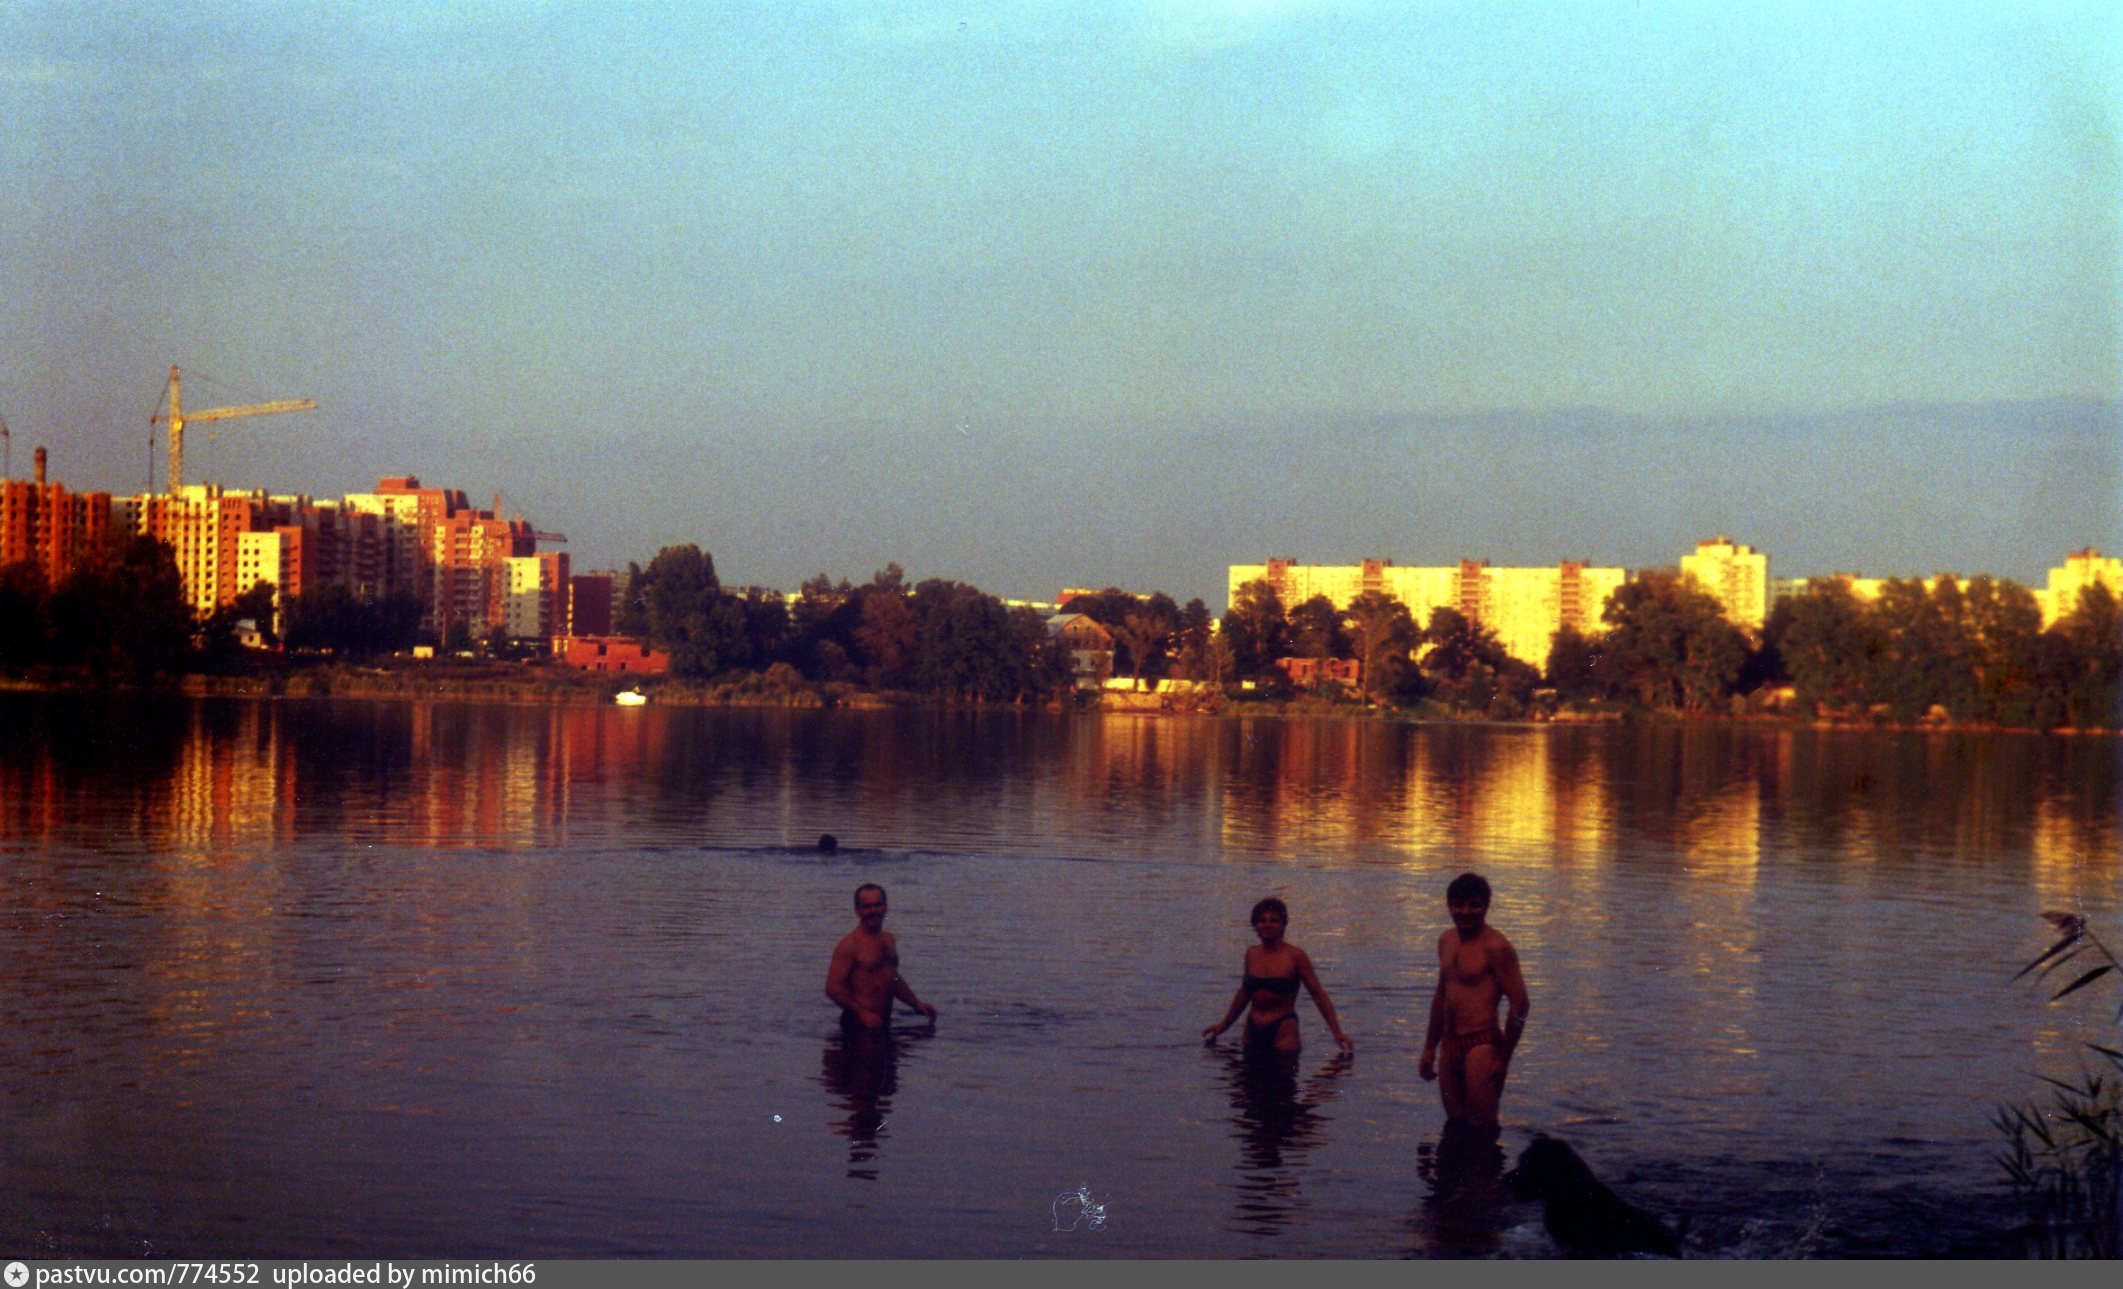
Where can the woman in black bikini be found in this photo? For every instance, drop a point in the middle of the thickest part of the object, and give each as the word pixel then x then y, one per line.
pixel 1274 969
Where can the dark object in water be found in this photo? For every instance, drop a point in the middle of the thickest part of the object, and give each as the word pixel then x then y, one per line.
pixel 827 843
pixel 1579 1211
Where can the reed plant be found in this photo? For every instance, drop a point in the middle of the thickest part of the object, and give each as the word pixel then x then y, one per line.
pixel 2065 1156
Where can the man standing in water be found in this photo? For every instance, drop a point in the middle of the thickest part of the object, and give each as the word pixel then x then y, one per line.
pixel 1464 1050
pixel 864 976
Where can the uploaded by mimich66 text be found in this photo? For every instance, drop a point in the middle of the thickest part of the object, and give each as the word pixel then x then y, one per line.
pixel 384 1275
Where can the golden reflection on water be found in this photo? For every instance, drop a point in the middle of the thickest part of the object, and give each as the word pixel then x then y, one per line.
pixel 1724 928
pixel 208 778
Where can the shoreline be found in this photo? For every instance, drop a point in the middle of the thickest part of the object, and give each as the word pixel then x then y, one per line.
pixel 506 685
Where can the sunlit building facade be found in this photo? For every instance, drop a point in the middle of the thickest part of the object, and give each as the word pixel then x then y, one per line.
pixel 41 523
pixel 2080 570
pixel 537 600
pixel 1525 607
pixel 429 543
pixel 1738 575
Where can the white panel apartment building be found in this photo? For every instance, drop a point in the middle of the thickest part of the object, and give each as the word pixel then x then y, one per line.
pixel 1737 575
pixel 1524 606
pixel 2080 570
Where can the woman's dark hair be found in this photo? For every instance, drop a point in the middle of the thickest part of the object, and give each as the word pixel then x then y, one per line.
pixel 1271 905
pixel 1467 886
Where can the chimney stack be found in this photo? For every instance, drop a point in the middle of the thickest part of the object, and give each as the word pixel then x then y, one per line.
pixel 40 465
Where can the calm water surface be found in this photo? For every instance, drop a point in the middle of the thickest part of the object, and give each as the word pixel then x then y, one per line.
pixel 406 979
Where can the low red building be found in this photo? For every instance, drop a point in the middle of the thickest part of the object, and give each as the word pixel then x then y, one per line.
pixel 1307 671
pixel 613 653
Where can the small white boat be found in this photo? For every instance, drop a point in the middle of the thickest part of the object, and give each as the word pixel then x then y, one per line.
pixel 630 698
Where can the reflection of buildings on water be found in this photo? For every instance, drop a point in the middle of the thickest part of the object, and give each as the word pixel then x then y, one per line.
pixel 211 777
pixel 1170 771
pixel 1497 799
pixel 233 781
pixel 2074 851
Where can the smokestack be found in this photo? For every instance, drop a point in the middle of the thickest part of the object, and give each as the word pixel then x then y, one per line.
pixel 40 465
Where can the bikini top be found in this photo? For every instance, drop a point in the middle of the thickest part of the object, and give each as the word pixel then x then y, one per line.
pixel 1274 984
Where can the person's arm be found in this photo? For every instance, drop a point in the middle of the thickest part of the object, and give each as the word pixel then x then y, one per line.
pixel 1231 1013
pixel 1320 1000
pixel 905 993
pixel 1427 1067
pixel 838 988
pixel 1514 987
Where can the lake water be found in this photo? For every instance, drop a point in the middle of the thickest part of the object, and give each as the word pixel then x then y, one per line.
pixel 429 979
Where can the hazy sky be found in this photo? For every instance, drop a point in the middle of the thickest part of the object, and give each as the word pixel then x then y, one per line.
pixel 1033 295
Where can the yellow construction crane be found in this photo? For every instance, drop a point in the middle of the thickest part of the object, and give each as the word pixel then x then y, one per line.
pixel 177 421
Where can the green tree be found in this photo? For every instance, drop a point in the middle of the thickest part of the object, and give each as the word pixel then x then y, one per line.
pixel 1143 634
pixel 1826 641
pixel 218 645
pixel 337 618
pixel 1045 668
pixel 1316 630
pixel 1919 661
pixel 23 616
pixel 2086 659
pixel 1573 665
pixel 1669 646
pixel 963 646
pixel 630 617
pixel 884 632
pixel 1191 641
pixel 2003 627
pixel 681 601
pixel 1382 634
pixel 1257 631
pixel 1468 669
pixel 821 622
pixel 123 611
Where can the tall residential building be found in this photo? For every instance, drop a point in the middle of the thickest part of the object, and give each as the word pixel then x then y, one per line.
pixel 2080 570
pixel 1524 606
pixel 204 527
pixel 429 543
pixel 42 523
pixel 537 598
pixel 1737 575
pixel 590 604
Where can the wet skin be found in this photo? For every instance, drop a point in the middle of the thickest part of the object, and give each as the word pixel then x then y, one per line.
pixel 1477 969
pixel 1275 958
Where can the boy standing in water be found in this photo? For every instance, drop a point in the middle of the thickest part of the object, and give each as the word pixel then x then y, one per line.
pixel 1464 1050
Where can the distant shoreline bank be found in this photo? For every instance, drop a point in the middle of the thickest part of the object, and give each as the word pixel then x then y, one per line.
pixel 505 685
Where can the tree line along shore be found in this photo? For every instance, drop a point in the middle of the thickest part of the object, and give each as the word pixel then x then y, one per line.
pixel 1941 653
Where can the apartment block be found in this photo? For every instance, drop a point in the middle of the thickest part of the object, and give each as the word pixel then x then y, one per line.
pixel 590 604
pixel 1524 606
pixel 1737 575
pixel 459 562
pixel 41 523
pixel 2080 570
pixel 537 597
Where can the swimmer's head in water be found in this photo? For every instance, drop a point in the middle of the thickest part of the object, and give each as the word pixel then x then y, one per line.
pixel 828 843
pixel 1271 905
pixel 1468 888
